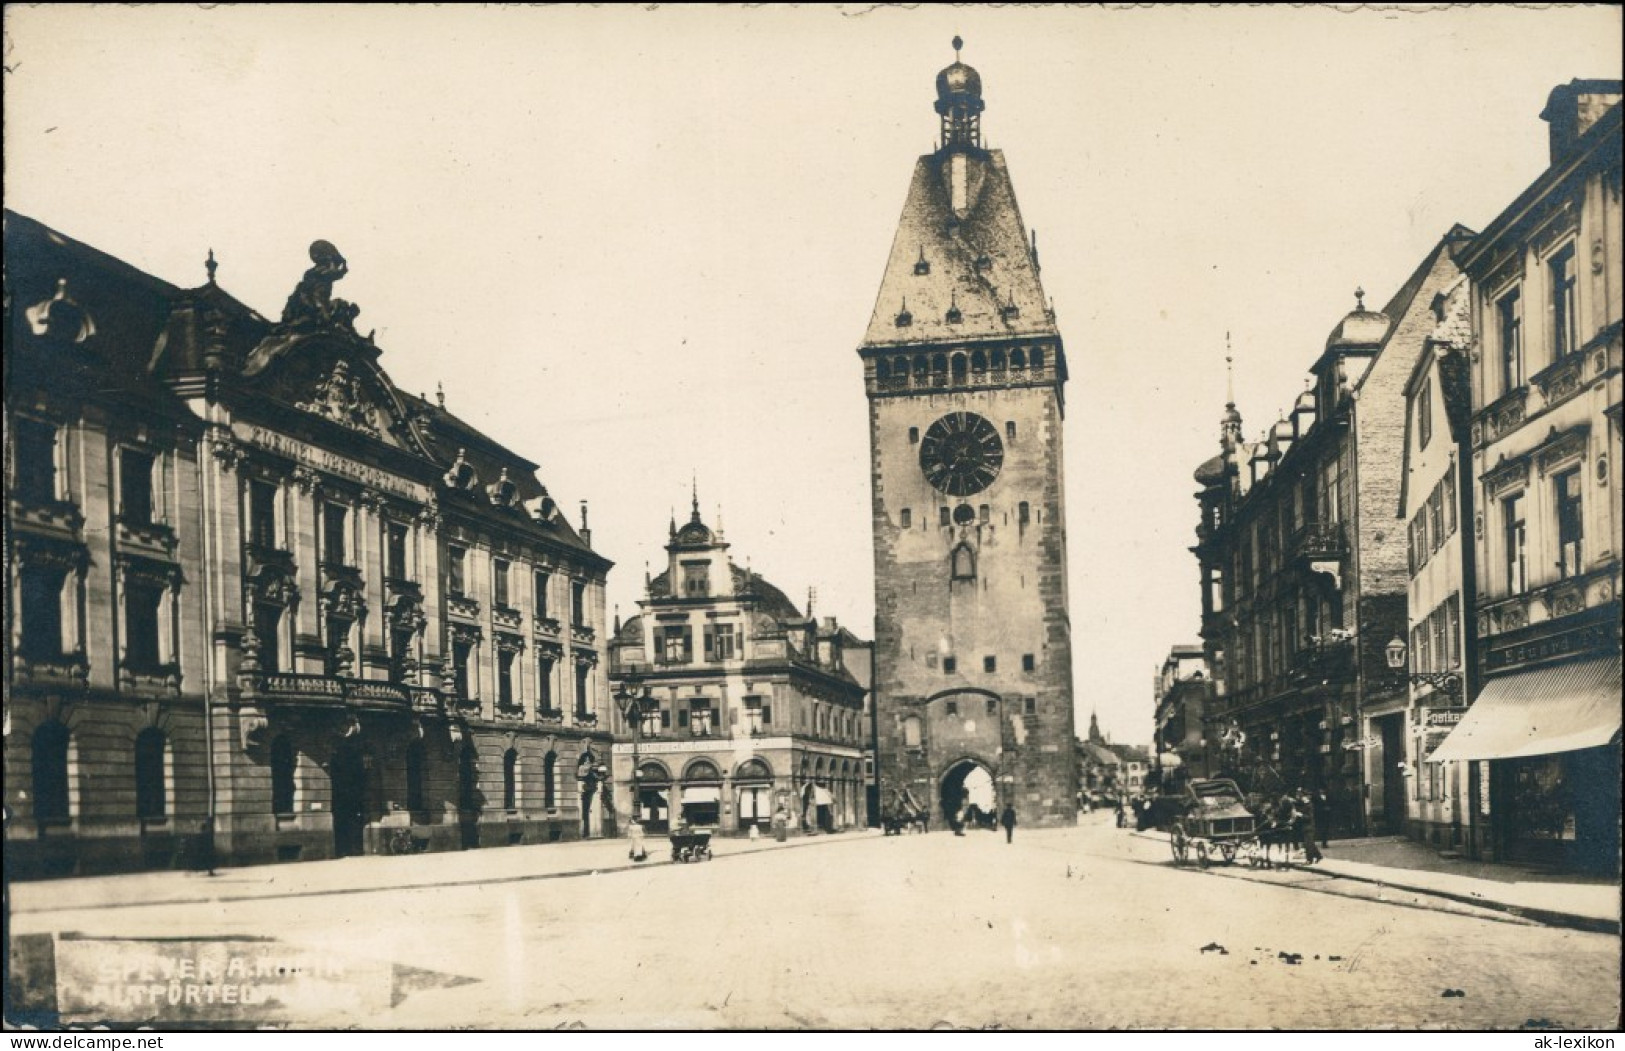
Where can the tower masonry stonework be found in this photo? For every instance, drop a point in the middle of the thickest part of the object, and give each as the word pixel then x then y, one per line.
pixel 965 370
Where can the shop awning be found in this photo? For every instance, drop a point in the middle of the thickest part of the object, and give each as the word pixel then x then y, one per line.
pixel 821 796
pixel 702 794
pixel 1562 708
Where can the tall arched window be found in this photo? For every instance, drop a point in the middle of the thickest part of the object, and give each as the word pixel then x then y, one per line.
pixel 510 780
pixel 283 764
pixel 550 781
pixel 51 798
pixel 414 777
pixel 959 368
pixel 151 793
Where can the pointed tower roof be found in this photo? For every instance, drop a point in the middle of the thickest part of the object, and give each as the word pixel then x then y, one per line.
pixel 961 258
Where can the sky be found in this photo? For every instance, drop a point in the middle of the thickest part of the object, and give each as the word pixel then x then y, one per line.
pixel 640 246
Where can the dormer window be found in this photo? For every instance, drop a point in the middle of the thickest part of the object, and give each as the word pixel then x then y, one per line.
pixel 921 265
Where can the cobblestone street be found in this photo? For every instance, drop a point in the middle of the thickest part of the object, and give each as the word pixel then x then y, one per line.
pixel 1090 928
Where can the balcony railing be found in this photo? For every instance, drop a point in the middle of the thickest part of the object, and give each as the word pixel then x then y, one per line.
pixel 1325 660
pixel 1319 542
pixel 333 691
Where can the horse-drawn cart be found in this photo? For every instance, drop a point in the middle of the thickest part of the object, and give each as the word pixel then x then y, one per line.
pixel 1215 821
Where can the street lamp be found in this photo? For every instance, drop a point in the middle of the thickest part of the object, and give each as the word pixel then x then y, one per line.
pixel 1446 682
pixel 630 696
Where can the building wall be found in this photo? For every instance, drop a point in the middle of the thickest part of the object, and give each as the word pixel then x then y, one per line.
pixel 318 434
pixel 1014 607
pixel 1438 810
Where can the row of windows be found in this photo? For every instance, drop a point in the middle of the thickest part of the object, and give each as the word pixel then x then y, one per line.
pixel 53 797
pixel 699 716
pixel 335 522
pixel 1562 311
pixel 957 365
pixel 49 601
pixel 501 592
pixel 1436 639
pixel 462 656
pixel 285 765
pixel 964 514
pixel 1435 522
pixel 1567 511
pixel 35 478
pixel 335 519
pixel 674 643
pixel 914 727
pixel 990 663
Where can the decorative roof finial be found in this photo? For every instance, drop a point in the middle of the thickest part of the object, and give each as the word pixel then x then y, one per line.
pixel 1229 372
pixel 1359 299
pixel 694 484
pixel 958 44
pixel 440 394
pixel 210 265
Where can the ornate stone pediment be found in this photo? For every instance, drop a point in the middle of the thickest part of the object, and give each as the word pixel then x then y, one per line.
pixel 315 360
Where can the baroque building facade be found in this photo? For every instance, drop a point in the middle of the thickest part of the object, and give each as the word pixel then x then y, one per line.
pixel 1545 435
pixel 265 606
pixel 735 707
pixel 964 370
pixel 1304 571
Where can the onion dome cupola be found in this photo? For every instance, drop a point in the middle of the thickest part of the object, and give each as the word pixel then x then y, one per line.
pixel 1360 329
pixel 1350 348
pixel 959 104
pixel 694 533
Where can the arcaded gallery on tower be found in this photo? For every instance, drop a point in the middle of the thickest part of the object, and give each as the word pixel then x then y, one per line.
pixel 965 371
pixel 262 604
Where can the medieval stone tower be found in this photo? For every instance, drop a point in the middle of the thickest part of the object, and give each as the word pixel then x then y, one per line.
pixel 965 374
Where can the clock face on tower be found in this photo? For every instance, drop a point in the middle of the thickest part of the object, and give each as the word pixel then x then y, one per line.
pixel 961 454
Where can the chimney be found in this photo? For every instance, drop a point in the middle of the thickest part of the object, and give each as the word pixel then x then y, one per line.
pixel 1572 108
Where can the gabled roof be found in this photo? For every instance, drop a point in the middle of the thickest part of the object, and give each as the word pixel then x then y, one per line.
pixel 950 247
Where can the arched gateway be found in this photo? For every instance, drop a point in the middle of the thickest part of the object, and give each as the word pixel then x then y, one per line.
pixel 968 793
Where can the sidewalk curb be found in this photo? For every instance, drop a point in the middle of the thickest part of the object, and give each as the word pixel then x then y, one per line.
pixel 618 866
pixel 1549 917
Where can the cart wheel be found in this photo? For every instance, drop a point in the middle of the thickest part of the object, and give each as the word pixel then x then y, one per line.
pixel 1201 853
pixel 1228 852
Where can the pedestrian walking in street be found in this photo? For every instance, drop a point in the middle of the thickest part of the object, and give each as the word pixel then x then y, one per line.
pixel 1008 820
pixel 635 835
pixel 205 846
pixel 1306 829
pixel 1322 807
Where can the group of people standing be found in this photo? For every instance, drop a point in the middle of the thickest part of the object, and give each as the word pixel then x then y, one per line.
pixel 1305 817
